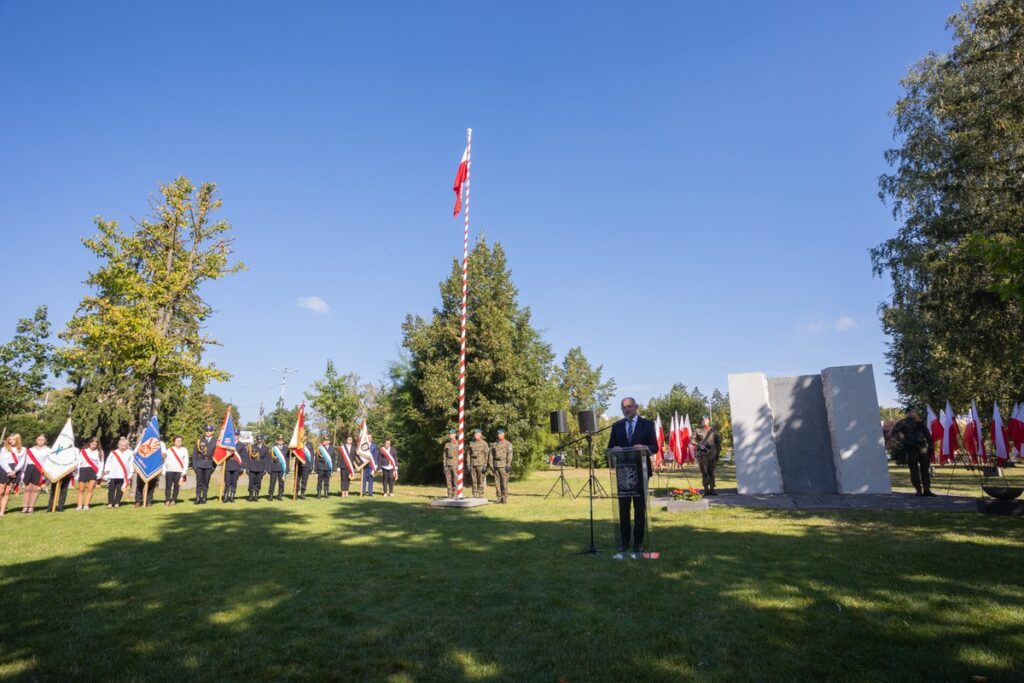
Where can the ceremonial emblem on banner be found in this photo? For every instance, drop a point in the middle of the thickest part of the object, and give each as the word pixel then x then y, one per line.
pixel 227 441
pixel 149 454
pixel 626 475
pixel 62 459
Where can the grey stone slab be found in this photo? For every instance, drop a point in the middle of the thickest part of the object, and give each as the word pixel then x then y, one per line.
pixel 858 449
pixel 800 430
pixel 458 502
pixel 757 462
pixel 682 505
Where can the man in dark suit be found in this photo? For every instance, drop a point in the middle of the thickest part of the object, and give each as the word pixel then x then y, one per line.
pixel 631 431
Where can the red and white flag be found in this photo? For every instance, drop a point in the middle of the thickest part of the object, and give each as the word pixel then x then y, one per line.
pixel 974 437
pixel 659 457
pixel 1016 429
pixel 935 428
pixel 999 441
pixel 950 432
pixel 673 439
pixel 460 178
pixel 686 438
pixel 297 445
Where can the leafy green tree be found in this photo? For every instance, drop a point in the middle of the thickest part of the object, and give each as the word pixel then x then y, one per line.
pixel 696 404
pixel 144 322
pixel 582 388
pixel 25 364
pixel 955 264
pixel 336 400
pixel 509 379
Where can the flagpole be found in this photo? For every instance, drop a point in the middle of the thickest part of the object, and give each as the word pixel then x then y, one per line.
pixel 295 476
pixel 462 339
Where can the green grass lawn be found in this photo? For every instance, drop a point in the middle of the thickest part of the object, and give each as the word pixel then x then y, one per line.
pixel 391 589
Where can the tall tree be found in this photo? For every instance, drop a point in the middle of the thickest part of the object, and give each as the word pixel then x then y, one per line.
pixel 335 398
pixel 509 379
pixel 956 190
pixel 25 364
pixel 582 388
pixel 144 322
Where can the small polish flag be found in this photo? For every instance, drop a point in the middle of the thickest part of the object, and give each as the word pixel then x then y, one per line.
pixel 999 437
pixel 461 176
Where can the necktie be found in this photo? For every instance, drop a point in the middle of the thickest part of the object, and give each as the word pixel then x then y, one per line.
pixel 629 430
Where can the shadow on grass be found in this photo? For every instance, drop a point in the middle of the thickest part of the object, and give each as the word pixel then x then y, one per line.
pixel 384 589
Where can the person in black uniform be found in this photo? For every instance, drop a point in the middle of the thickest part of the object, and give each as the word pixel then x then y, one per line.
pixel 233 469
pixel 256 465
pixel 326 455
pixel 278 472
pixel 304 468
pixel 346 464
pixel 203 465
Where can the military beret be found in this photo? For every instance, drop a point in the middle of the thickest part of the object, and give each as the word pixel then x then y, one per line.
pixel 452 431
pixel 501 430
pixel 478 431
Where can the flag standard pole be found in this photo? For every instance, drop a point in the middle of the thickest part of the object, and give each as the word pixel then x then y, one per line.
pixel 223 469
pixel 145 495
pixel 295 476
pixel 460 472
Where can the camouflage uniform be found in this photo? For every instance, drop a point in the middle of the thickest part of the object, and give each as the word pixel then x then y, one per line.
pixel 912 438
pixel 708 444
pixel 501 463
pixel 479 454
pixel 451 466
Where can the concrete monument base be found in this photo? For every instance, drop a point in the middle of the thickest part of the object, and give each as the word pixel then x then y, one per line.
pixel 458 502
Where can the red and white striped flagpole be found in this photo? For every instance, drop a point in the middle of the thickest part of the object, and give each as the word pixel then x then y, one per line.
pixel 462 338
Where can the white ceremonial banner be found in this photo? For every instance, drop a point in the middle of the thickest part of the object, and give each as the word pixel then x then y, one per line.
pixel 63 456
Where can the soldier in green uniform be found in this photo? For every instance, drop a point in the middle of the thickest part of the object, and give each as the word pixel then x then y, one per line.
pixel 501 464
pixel 451 462
pixel 912 438
pixel 708 444
pixel 479 454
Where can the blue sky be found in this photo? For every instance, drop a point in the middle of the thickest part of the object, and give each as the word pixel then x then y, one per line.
pixel 685 190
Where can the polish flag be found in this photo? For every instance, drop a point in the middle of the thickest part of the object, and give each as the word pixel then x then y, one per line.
pixel 935 427
pixel 685 432
pixel 999 437
pixel 950 432
pixel 660 455
pixel 673 439
pixel 974 440
pixel 297 445
pixel 461 176
pixel 1017 429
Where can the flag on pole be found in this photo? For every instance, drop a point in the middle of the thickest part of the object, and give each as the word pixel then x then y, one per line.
pixel 460 178
pixel 673 438
pixel 974 437
pixel 149 454
pixel 363 448
pixel 999 437
pixel 685 434
pixel 63 457
pixel 297 445
pixel 227 440
pixel 660 455
pixel 1016 429
pixel 950 434
pixel 935 429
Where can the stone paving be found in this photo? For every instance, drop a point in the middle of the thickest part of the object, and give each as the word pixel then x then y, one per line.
pixel 728 498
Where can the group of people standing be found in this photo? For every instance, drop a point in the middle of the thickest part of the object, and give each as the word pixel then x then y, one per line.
pixel 484 458
pixel 22 467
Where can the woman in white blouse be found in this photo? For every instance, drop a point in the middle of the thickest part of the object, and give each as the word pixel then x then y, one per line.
pixel 32 473
pixel 12 461
pixel 87 472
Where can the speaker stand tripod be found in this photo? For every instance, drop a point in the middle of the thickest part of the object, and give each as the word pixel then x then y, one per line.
pixel 562 482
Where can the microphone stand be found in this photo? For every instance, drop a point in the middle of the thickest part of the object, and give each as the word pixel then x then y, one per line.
pixel 589 436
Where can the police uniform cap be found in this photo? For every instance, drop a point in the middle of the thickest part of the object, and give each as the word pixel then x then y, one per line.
pixel 208 428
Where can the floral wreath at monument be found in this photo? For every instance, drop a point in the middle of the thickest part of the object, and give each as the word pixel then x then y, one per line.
pixel 692 494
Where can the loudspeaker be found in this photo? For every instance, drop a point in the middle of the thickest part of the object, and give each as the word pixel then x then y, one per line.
pixel 559 425
pixel 587 421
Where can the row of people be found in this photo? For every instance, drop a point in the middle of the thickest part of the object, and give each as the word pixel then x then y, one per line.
pixel 482 458
pixel 22 466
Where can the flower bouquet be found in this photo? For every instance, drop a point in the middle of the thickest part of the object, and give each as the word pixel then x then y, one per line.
pixel 691 494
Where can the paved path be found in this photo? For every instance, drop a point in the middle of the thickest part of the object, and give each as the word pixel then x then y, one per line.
pixel 728 498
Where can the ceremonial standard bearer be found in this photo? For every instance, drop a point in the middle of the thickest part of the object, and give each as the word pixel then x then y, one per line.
pixel 278 468
pixel 501 464
pixel 304 468
pixel 389 467
pixel 631 431
pixel 479 454
pixel 451 462
pixel 203 463
pixel 325 457
pixel 118 469
pixel 370 467
pixel 175 470
pixel 346 465
pixel 255 466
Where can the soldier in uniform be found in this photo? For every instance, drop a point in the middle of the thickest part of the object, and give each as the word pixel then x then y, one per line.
pixel 302 469
pixel 255 466
pixel 233 469
pixel 501 465
pixel 709 445
pixel 912 438
pixel 451 462
pixel 278 471
pixel 479 455
pixel 326 454
pixel 203 465
pixel 346 465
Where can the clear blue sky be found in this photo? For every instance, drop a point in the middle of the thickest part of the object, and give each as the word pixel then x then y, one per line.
pixel 684 189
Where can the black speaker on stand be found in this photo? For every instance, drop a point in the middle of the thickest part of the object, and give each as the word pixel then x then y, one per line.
pixel 559 425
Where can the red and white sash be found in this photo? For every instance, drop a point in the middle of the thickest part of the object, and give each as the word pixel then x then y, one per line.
pixel 94 466
pixel 181 463
pixel 121 463
pixel 14 456
pixel 391 458
pixel 348 460
pixel 35 461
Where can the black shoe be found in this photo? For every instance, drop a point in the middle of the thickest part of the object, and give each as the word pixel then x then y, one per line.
pixel 929 494
pixel 919 494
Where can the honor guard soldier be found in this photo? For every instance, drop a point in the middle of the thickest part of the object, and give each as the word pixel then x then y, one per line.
pixel 175 470
pixel 479 455
pixel 389 467
pixel 346 465
pixel 708 444
pixel 278 468
pixel 501 463
pixel 302 469
pixel 255 466
pixel 117 471
pixel 233 467
pixel 203 464
pixel 325 457
pixel 451 462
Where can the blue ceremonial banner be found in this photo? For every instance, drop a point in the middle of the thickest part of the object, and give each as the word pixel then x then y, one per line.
pixel 227 441
pixel 149 455
pixel 327 457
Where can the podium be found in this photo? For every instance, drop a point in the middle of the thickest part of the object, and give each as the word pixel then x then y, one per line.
pixel 629 472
